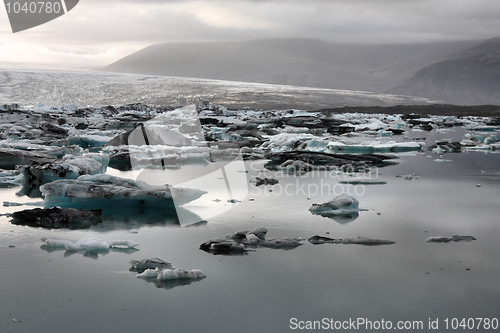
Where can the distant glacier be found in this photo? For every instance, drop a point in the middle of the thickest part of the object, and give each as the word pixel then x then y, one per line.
pixel 88 88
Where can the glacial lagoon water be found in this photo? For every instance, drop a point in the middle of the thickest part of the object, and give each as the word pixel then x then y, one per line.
pixel 412 280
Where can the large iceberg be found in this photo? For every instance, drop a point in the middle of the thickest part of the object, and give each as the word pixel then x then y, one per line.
pixel 70 167
pixel 105 191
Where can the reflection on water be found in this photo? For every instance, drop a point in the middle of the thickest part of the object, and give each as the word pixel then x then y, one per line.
pixel 409 280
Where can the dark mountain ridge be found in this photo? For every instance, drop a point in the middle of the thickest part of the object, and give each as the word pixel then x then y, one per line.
pixel 469 77
pixel 297 62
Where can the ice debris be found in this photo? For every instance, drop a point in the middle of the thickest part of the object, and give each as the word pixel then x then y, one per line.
pixel 351 240
pixel 447 239
pixel 57 218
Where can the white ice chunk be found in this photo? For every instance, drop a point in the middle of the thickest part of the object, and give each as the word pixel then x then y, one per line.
pixel 85 244
pixel 177 274
pixel 148 274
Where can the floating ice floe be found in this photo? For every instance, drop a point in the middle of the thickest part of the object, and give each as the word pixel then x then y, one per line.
pixel 350 240
pixel 89 246
pixel 57 218
pixel 151 263
pixel 160 270
pixel 35 146
pixel 70 167
pixel 371 147
pixel 362 181
pixel 343 208
pixel 447 239
pixel 104 191
pixel 243 241
pixel 265 181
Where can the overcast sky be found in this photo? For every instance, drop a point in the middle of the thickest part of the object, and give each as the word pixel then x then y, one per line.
pixel 98 32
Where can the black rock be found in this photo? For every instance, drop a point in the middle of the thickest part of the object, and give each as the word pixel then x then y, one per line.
pixel 57 218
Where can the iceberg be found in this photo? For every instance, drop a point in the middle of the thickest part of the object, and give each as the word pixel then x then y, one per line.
pixel 10 158
pixel 284 243
pixel 70 167
pixel 149 264
pixel 57 218
pixel 447 239
pixel 265 181
pixel 350 240
pixel 292 167
pixel 343 208
pixel 88 140
pixel 157 155
pixel 362 181
pixel 89 246
pixel 161 270
pixel 243 241
pixel 371 147
pixel 286 141
pixel 105 191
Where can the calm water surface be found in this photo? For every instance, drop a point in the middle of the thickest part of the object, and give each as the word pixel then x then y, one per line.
pixel 410 280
